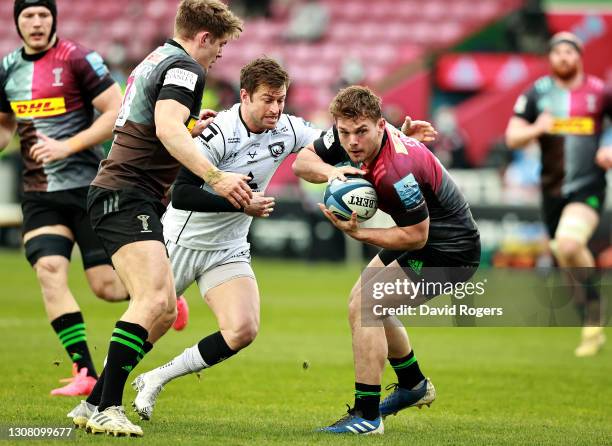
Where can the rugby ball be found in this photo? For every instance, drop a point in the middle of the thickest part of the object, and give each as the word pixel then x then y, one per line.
pixel 354 194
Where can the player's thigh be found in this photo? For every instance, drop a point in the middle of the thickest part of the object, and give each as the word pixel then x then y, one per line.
pixel 46 228
pixel 43 214
pixel 185 263
pixel 578 222
pixel 93 253
pixel 144 269
pixel 232 295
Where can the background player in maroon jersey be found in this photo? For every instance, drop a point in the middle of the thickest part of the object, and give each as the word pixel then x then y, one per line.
pixel 48 90
pixel 434 228
pixel 564 112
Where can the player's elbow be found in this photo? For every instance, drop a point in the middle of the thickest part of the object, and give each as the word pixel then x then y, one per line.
pixel 297 168
pixel 511 141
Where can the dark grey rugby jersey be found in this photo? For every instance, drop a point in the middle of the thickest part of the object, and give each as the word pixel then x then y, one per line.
pixel 137 157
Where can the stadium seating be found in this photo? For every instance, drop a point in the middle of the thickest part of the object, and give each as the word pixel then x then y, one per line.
pixel 382 34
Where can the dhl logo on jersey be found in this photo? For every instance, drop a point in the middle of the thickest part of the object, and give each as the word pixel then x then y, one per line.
pixel 574 126
pixel 39 108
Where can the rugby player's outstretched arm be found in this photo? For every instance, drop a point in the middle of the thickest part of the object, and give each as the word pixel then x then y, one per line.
pixel 170 116
pixel 310 167
pixel 8 125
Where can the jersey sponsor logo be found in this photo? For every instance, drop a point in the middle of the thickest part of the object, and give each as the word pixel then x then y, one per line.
pixel 252 184
pixel 328 138
pixel 408 191
pixel 97 64
pixel 276 149
pixel 182 78
pixel 39 108
pixel 574 126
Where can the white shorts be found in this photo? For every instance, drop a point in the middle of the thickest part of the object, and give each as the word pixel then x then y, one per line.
pixel 208 268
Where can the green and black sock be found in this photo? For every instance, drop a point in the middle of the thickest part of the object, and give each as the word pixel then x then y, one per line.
pixel 70 329
pixel 125 350
pixel 96 393
pixel 367 400
pixel 407 371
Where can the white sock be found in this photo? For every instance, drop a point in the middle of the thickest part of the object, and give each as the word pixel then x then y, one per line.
pixel 189 361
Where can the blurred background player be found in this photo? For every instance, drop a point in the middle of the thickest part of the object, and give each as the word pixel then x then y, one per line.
pixel 152 139
pixel 564 112
pixel 49 89
pixel 434 228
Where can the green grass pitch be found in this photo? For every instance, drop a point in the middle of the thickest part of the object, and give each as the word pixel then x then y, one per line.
pixel 495 385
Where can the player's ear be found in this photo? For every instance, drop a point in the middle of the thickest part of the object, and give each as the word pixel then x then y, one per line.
pixel 244 95
pixel 380 125
pixel 204 38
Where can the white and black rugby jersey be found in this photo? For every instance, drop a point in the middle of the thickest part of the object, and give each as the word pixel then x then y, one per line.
pixel 230 146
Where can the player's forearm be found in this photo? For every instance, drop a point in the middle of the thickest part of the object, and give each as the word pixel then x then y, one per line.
pixel 101 130
pixel 395 238
pixel 7 129
pixel 517 138
pixel 191 198
pixel 179 143
pixel 5 138
pixel 311 168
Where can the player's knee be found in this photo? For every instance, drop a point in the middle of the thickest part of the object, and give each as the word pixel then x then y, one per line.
pixel 567 248
pixel 49 269
pixel 157 306
pixel 105 289
pixel 243 334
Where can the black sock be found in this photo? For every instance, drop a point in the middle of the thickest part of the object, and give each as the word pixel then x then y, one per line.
pixel 96 393
pixel 125 350
pixel 70 329
pixel 407 371
pixel 367 399
pixel 592 306
pixel 214 349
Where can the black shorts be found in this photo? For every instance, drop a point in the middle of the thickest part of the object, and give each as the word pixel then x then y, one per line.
pixel 552 206
pixel 67 208
pixel 121 217
pixel 431 265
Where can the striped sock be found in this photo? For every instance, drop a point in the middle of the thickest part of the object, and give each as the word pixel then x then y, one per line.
pixel 96 393
pixel 70 329
pixel 125 350
pixel 367 399
pixel 407 371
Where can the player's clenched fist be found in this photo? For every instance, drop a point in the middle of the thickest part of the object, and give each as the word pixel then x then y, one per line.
pixel 232 186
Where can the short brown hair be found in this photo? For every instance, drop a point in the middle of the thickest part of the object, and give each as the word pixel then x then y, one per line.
pixel 263 71
pixel 356 102
pixel 213 16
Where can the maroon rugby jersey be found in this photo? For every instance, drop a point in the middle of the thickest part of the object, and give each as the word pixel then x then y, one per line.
pixel 411 185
